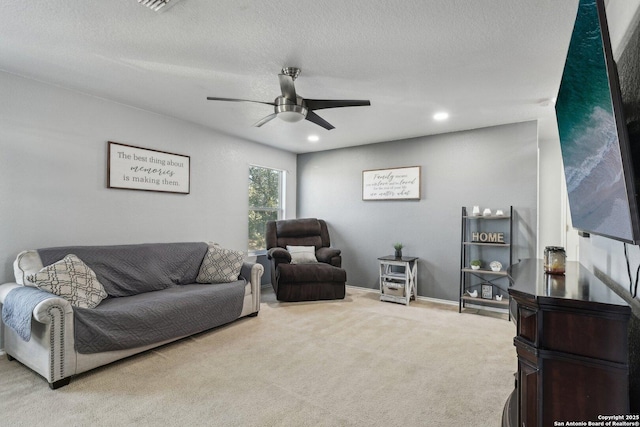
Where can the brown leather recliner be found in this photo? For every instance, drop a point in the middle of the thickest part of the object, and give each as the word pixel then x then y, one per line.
pixel 323 280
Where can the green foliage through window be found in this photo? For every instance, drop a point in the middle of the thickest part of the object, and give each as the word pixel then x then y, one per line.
pixel 265 203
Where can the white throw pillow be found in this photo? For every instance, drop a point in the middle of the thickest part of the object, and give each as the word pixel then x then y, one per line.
pixel 71 279
pixel 26 263
pixel 220 265
pixel 302 254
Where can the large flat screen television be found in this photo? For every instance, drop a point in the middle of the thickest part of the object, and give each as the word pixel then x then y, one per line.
pixel 596 152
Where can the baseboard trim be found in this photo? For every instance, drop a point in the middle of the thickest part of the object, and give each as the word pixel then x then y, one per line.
pixel 419 298
pixel 437 300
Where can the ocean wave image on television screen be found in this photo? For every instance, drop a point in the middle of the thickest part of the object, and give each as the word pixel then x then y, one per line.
pixel 588 135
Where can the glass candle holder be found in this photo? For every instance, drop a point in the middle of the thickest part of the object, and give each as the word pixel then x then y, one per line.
pixel 555 259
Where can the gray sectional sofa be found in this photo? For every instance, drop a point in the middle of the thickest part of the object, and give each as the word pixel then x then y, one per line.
pixel 136 297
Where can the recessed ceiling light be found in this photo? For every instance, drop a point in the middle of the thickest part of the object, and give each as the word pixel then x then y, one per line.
pixel 313 138
pixel 157 5
pixel 441 116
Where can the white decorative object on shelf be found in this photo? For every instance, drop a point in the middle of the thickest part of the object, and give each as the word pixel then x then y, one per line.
pixel 498 297
pixel 499 212
pixel 487 212
pixel 473 294
pixel 495 266
pixel 476 211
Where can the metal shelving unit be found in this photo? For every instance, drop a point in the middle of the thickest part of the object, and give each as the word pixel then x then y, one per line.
pixel 472 280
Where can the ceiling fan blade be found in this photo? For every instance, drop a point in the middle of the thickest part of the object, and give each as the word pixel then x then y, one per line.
pixel 213 98
pixel 287 87
pixel 265 120
pixel 314 118
pixel 319 104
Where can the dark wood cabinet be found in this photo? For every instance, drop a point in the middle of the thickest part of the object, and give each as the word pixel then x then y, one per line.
pixel 572 347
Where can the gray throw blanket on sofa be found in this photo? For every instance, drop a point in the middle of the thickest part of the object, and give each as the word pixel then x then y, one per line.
pixel 152 317
pixel 126 270
pixel 18 308
pixel 152 292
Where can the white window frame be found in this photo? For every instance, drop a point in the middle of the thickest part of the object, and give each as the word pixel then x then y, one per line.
pixel 281 210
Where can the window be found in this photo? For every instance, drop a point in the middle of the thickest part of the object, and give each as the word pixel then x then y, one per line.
pixel 266 203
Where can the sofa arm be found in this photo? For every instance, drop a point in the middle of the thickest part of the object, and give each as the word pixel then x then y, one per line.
pixel 253 273
pixel 50 351
pixel 41 312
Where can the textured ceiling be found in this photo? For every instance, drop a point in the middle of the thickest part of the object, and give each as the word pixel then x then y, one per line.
pixel 486 62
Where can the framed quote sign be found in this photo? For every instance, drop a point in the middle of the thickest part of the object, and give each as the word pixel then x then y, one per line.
pixel 136 168
pixel 391 184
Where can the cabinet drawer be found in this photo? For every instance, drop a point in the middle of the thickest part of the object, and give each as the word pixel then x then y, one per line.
pixel 595 335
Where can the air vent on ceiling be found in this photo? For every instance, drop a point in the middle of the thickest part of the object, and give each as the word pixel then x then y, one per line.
pixel 157 5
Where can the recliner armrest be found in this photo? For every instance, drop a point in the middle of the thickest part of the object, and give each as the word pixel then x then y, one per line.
pixel 326 254
pixel 279 254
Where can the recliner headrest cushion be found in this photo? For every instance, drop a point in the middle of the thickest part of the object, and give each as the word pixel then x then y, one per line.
pixel 305 227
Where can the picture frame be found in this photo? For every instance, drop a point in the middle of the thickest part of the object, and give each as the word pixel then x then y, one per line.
pixel 137 168
pixel 401 183
pixel 487 291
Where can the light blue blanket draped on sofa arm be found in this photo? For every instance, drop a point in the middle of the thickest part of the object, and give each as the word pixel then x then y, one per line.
pixel 18 308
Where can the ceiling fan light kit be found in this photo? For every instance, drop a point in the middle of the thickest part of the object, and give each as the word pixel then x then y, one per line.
pixel 290 112
pixel 292 108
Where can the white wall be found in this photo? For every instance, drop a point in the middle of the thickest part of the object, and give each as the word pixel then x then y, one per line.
pixel 492 167
pixel 550 196
pixel 53 147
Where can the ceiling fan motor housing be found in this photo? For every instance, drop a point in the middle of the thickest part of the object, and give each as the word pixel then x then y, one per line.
pixel 290 111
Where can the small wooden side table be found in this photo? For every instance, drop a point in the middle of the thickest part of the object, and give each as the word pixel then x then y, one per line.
pixel 398 278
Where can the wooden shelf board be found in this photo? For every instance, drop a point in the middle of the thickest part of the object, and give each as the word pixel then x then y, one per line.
pixel 487 217
pixel 503 245
pixel 495 273
pixel 480 301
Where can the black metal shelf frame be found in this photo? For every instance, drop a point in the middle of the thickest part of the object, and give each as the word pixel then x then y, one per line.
pixel 489 277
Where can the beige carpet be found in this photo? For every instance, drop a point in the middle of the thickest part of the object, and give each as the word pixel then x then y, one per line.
pixel 356 362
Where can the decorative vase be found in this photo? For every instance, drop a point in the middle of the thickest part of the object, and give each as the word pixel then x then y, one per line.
pixel 398 253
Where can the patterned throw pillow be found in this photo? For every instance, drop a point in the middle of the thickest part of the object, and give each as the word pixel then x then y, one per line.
pixel 302 254
pixel 220 265
pixel 71 279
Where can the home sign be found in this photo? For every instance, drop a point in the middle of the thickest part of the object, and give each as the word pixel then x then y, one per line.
pixel 485 237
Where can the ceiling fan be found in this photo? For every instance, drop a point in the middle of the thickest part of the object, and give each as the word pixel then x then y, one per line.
pixel 292 108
